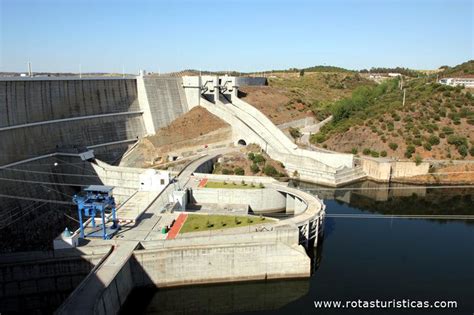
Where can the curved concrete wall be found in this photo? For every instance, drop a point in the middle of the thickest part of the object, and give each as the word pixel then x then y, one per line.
pixel 259 200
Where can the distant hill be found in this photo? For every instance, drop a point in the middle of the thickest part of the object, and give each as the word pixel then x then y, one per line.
pixel 466 68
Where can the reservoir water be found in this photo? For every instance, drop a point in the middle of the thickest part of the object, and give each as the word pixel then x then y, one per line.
pixel 360 258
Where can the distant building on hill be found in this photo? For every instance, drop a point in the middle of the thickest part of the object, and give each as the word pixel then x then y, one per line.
pixel 466 81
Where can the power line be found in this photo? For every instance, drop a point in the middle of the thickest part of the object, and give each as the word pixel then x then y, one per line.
pixel 49 173
pixel 384 188
pixel 37 199
pixel 40 182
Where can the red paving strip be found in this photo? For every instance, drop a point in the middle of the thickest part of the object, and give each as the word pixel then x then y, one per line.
pixel 177 226
pixel 203 182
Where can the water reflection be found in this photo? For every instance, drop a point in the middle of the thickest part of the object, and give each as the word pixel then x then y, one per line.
pixel 226 298
pixel 398 199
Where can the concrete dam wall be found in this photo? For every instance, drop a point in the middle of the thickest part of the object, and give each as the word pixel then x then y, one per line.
pixel 40 116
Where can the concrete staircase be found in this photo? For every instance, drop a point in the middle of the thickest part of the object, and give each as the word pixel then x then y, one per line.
pixel 251 125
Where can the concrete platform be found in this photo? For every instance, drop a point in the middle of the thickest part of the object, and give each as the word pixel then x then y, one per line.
pixel 133 208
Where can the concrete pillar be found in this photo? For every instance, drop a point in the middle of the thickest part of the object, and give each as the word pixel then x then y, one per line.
pixel 290 203
pixel 216 88
pixel 145 106
pixel 199 89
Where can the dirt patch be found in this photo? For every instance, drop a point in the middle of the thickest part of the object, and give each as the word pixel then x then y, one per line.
pixel 197 127
pixel 274 104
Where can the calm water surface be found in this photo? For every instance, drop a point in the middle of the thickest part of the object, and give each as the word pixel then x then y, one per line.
pixel 365 259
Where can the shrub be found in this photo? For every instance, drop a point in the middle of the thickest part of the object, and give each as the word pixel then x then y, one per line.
pixel 226 171
pixel 409 151
pixel 251 156
pixel 462 149
pixel 418 159
pixel 354 151
pixel 366 151
pixel 393 146
pixel 417 142
pixel 239 171
pixel 374 154
pixel 258 159
pixel 254 168
pixel 383 153
pixel 427 146
pixel 457 140
pixel 433 140
pixel 269 170
pixel 295 133
pixel 319 137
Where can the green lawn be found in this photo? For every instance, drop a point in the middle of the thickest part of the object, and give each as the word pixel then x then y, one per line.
pixel 233 185
pixel 204 222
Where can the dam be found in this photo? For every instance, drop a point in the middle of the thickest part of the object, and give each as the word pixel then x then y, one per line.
pixel 60 135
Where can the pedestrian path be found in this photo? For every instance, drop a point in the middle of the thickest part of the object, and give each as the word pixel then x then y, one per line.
pixel 178 224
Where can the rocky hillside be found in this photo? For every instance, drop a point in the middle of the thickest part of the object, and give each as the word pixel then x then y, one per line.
pixel 291 96
pixel 436 121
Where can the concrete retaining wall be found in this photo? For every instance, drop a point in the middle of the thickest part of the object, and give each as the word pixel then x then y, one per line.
pixel 408 169
pixel 224 263
pixel 377 170
pixel 255 81
pixel 259 200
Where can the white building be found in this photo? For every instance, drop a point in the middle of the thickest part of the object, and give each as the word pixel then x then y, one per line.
pixel 153 180
pixel 467 82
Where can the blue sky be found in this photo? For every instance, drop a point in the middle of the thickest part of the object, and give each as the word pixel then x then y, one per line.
pixel 245 35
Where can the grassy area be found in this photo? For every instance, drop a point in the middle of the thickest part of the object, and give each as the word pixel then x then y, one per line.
pixel 234 185
pixel 203 222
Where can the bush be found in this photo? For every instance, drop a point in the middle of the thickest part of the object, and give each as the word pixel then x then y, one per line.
pixel 417 142
pixel 374 154
pixel 433 140
pixel 354 151
pixel 457 140
pixel 251 156
pixel 239 171
pixel 295 133
pixel 409 151
pixel 226 171
pixel 319 137
pixel 427 146
pixel 254 168
pixel 258 159
pixel 393 146
pixel 383 153
pixel 269 170
pixel 462 149
pixel 418 159
pixel 366 151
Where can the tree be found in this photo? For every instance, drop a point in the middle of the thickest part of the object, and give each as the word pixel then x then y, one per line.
pixel 393 146
pixel 254 168
pixel 295 133
pixel 301 72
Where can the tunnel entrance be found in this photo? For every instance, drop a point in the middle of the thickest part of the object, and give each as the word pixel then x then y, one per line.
pixel 242 142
